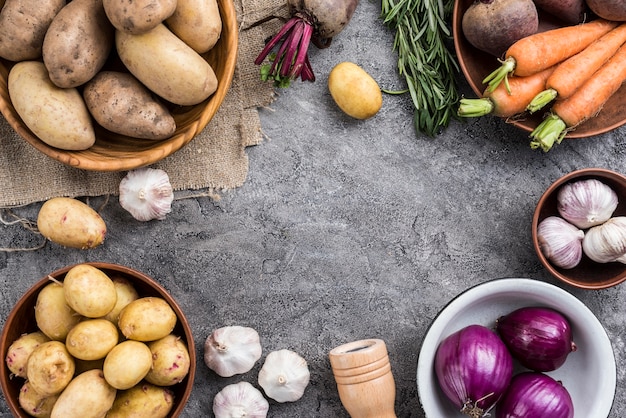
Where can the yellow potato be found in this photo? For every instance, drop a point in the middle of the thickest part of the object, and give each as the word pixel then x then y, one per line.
pixel 50 368
pixel 34 403
pixel 92 339
pixel 147 319
pixel 197 22
pixel 53 315
pixel 138 16
pixel 71 223
pixel 59 117
pixel 356 93
pixel 142 401
pixel 20 350
pixel 127 364
pixel 170 361
pixel 87 396
pixel 126 293
pixel 89 291
pixel 167 65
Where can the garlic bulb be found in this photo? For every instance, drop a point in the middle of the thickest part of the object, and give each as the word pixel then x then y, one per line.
pixel 232 350
pixel 146 193
pixel 284 376
pixel 607 242
pixel 586 203
pixel 560 242
pixel 240 400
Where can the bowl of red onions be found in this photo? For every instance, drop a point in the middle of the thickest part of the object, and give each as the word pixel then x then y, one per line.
pixel 516 344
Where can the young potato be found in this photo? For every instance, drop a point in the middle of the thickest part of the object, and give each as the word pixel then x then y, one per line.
pixel 197 22
pixel 167 65
pixel 57 116
pixel 356 93
pixel 53 315
pixel 92 339
pixel 127 364
pixel 170 361
pixel 126 293
pixel 20 350
pixel 147 319
pixel 87 396
pixel 77 43
pixel 89 291
pixel 23 25
pixel 138 16
pixel 34 403
pixel 71 223
pixel 121 104
pixel 142 401
pixel 50 368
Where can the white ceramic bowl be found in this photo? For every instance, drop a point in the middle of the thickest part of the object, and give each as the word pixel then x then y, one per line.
pixel 589 373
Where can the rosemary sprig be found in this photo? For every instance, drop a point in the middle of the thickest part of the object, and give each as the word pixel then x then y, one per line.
pixel 428 66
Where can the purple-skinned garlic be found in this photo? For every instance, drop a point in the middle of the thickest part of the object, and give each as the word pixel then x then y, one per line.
pixel 232 350
pixel 240 400
pixel 560 242
pixel 586 203
pixel 146 193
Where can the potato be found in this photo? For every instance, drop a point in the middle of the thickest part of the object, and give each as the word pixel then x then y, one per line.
pixel 356 93
pixel 89 291
pixel 57 116
pixel 34 403
pixel 121 104
pixel 23 25
pixel 170 361
pixel 142 401
pixel 147 319
pixel 50 368
pixel 197 22
pixel 53 315
pixel 78 43
pixel 167 65
pixel 126 293
pixel 127 364
pixel 71 223
pixel 87 396
pixel 19 351
pixel 138 16
pixel 92 339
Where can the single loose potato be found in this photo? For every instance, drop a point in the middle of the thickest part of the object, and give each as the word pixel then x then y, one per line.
pixel 126 293
pixel 53 315
pixel 170 361
pixel 147 319
pixel 138 16
pixel 34 403
pixel 92 339
pixel 57 116
pixel 121 104
pixel 142 401
pixel 50 368
pixel 197 22
pixel 88 395
pixel 20 350
pixel 71 223
pixel 356 93
pixel 167 65
pixel 127 364
pixel 89 291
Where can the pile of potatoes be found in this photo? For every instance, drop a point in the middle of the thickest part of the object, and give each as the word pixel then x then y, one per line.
pixel 100 349
pixel 120 63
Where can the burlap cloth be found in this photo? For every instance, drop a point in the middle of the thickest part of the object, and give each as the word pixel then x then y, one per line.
pixel 215 160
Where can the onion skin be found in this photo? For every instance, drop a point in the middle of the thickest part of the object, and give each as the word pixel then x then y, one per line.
pixel 473 368
pixel 535 395
pixel 539 338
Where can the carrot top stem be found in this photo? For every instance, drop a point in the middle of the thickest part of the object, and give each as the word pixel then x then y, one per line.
pixel 501 74
pixel 550 131
pixel 541 100
pixel 472 108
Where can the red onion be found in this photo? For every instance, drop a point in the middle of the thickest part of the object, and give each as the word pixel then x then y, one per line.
pixel 473 367
pixel 539 338
pixel 535 395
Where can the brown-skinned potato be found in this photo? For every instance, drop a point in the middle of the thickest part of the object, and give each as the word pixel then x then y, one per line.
pixel 138 16
pixel 197 22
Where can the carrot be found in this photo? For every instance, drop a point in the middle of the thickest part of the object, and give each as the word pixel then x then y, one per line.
pixel 584 104
pixel 500 102
pixel 574 71
pixel 544 49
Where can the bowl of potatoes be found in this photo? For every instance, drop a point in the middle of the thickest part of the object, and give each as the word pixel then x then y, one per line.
pixel 113 86
pixel 94 339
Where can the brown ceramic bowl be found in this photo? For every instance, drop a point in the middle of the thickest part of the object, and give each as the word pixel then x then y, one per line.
pixel 113 152
pixel 587 274
pixel 22 320
pixel 476 65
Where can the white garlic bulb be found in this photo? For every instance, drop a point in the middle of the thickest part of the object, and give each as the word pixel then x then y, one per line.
pixel 284 376
pixel 560 242
pixel 586 203
pixel 146 193
pixel 607 242
pixel 240 400
pixel 232 350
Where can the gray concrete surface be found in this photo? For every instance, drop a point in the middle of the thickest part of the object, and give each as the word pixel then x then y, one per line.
pixel 345 230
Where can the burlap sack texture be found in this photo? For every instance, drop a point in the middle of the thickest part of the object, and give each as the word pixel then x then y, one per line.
pixel 215 160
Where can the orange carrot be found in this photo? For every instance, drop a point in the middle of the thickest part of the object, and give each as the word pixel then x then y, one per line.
pixel 500 102
pixel 573 72
pixel 544 49
pixel 584 104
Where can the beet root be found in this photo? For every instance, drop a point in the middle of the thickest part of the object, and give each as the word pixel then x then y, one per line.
pixel 609 9
pixel 568 11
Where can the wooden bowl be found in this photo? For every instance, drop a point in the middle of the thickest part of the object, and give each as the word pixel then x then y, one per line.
pixel 476 65
pixel 22 320
pixel 587 274
pixel 114 152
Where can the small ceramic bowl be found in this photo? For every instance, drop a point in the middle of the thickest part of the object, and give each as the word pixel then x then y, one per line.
pixel 22 320
pixel 589 373
pixel 587 274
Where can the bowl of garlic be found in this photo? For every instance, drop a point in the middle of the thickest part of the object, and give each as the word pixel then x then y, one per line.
pixel 579 228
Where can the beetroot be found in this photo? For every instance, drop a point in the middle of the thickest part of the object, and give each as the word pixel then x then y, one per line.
pixel 609 9
pixel 568 11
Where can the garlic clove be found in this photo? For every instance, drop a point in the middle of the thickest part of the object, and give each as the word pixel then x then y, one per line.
pixel 240 400
pixel 146 193
pixel 560 242
pixel 607 242
pixel 232 350
pixel 284 376
pixel 586 203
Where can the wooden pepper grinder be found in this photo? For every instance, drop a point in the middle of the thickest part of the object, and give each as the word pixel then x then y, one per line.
pixel 364 380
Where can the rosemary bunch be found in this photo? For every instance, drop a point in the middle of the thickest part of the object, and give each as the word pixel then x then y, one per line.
pixel 429 68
